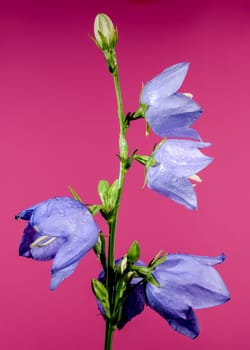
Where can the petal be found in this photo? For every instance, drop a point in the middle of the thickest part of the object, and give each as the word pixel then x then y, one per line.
pixel 187 325
pixel 188 281
pixel 169 116
pixel 182 157
pixel 164 84
pixel 182 320
pixel 25 214
pixel 206 260
pixel 38 253
pixel 74 249
pixel 60 275
pixel 29 236
pixel 133 305
pixel 59 217
pixel 179 189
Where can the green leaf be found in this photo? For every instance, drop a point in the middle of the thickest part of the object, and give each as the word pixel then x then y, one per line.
pixel 133 252
pixel 102 295
pixel 103 188
pixel 112 194
pixel 74 194
pixel 98 247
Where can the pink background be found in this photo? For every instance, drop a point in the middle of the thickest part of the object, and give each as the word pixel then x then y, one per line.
pixel 58 128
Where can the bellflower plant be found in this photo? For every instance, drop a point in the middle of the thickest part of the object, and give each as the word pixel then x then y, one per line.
pixel 64 229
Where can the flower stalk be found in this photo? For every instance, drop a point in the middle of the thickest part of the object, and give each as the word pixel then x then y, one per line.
pixel 112 221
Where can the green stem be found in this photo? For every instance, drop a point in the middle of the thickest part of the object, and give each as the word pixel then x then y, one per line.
pixel 123 154
pixel 108 336
pixel 123 148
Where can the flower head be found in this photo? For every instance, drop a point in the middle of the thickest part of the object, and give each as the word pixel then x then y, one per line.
pixel 187 282
pixel 168 112
pixel 105 32
pixel 176 162
pixel 61 229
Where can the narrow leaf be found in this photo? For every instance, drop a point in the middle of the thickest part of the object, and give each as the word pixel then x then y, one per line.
pixel 74 194
pixel 101 294
pixel 103 188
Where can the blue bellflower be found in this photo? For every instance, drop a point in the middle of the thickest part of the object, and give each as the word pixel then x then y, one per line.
pixel 61 229
pixel 168 112
pixel 176 163
pixel 187 282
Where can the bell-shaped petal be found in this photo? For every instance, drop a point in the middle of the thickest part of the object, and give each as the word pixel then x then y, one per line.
pixel 170 114
pixel 164 84
pixel 187 282
pixel 61 229
pixel 133 304
pixel 175 162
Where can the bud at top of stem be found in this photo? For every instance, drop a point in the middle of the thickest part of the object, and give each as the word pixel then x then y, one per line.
pixel 105 32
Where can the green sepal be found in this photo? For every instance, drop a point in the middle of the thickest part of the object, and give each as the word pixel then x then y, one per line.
pixel 130 159
pixel 141 159
pixel 141 270
pixel 133 253
pixel 102 295
pixel 74 194
pixel 158 259
pixel 150 278
pixel 94 208
pixel 146 273
pixel 140 113
pixel 103 188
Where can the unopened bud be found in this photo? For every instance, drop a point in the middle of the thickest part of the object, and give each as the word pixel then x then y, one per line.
pixel 105 33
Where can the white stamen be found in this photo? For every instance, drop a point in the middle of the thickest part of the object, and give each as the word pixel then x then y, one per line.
pixel 41 241
pixel 195 178
pixel 188 94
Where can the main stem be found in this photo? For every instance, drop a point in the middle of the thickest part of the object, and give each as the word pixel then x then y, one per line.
pixel 123 154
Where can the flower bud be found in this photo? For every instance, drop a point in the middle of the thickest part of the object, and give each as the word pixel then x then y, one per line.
pixel 105 33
